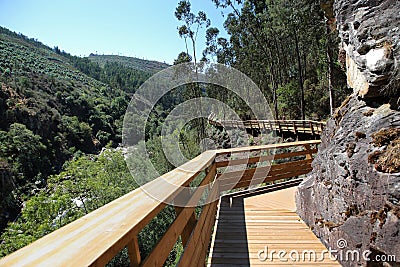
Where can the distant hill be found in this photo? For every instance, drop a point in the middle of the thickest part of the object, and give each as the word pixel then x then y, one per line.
pixel 130 62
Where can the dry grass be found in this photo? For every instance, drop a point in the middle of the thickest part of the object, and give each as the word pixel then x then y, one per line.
pixel 360 135
pixel 385 136
pixel 388 159
pixel 369 112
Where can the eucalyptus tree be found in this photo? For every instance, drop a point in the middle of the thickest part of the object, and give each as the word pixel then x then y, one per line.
pixel 281 45
pixel 189 31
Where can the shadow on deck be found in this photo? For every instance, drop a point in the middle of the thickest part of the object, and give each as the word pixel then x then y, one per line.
pixel 252 226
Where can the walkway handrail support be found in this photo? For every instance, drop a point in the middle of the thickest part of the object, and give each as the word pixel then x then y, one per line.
pixel 96 238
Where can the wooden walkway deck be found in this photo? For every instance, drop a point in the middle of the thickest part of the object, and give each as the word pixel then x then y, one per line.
pixel 252 224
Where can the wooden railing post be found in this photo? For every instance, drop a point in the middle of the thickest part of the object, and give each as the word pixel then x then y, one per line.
pixel 280 127
pixel 308 148
pixel 196 250
pixel 133 252
pixel 312 128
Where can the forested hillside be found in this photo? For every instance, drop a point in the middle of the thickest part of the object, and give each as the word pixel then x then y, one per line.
pixel 131 62
pixel 53 106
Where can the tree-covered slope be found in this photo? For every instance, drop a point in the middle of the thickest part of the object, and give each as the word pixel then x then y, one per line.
pixel 49 111
pixel 131 62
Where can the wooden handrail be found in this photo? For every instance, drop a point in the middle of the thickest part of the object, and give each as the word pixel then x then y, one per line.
pixel 96 238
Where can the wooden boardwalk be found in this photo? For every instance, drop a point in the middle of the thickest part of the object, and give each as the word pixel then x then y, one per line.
pixel 246 221
pixel 252 224
pixel 308 127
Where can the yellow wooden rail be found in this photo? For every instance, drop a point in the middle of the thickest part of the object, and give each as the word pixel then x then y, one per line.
pixel 96 238
pixel 294 126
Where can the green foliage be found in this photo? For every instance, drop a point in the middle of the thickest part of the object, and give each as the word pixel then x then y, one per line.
pixel 125 78
pixel 281 45
pixel 26 152
pixel 288 95
pixel 87 183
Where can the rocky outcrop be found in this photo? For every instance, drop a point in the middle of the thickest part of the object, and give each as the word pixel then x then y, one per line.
pixel 351 199
pixel 345 197
pixel 370 34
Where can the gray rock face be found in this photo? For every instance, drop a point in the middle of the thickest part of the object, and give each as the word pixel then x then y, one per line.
pixel 370 33
pixel 345 197
pixel 350 204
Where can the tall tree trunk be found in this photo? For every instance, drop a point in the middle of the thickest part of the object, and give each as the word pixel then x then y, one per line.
pixel 273 75
pixel 275 102
pixel 330 66
pixel 266 52
pixel 202 133
pixel 300 70
pixel 279 53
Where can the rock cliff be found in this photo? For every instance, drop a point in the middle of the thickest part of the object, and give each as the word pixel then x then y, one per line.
pixel 351 199
pixel 370 34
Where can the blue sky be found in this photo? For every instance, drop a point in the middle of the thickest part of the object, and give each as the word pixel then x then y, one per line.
pixel 141 28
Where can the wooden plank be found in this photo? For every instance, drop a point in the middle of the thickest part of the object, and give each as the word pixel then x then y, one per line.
pixel 264 158
pixel 187 230
pixel 226 185
pixel 308 149
pixel 312 128
pixel 194 247
pixel 236 243
pixel 279 126
pixel 273 170
pixel 162 249
pixel 206 233
pixel 264 147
